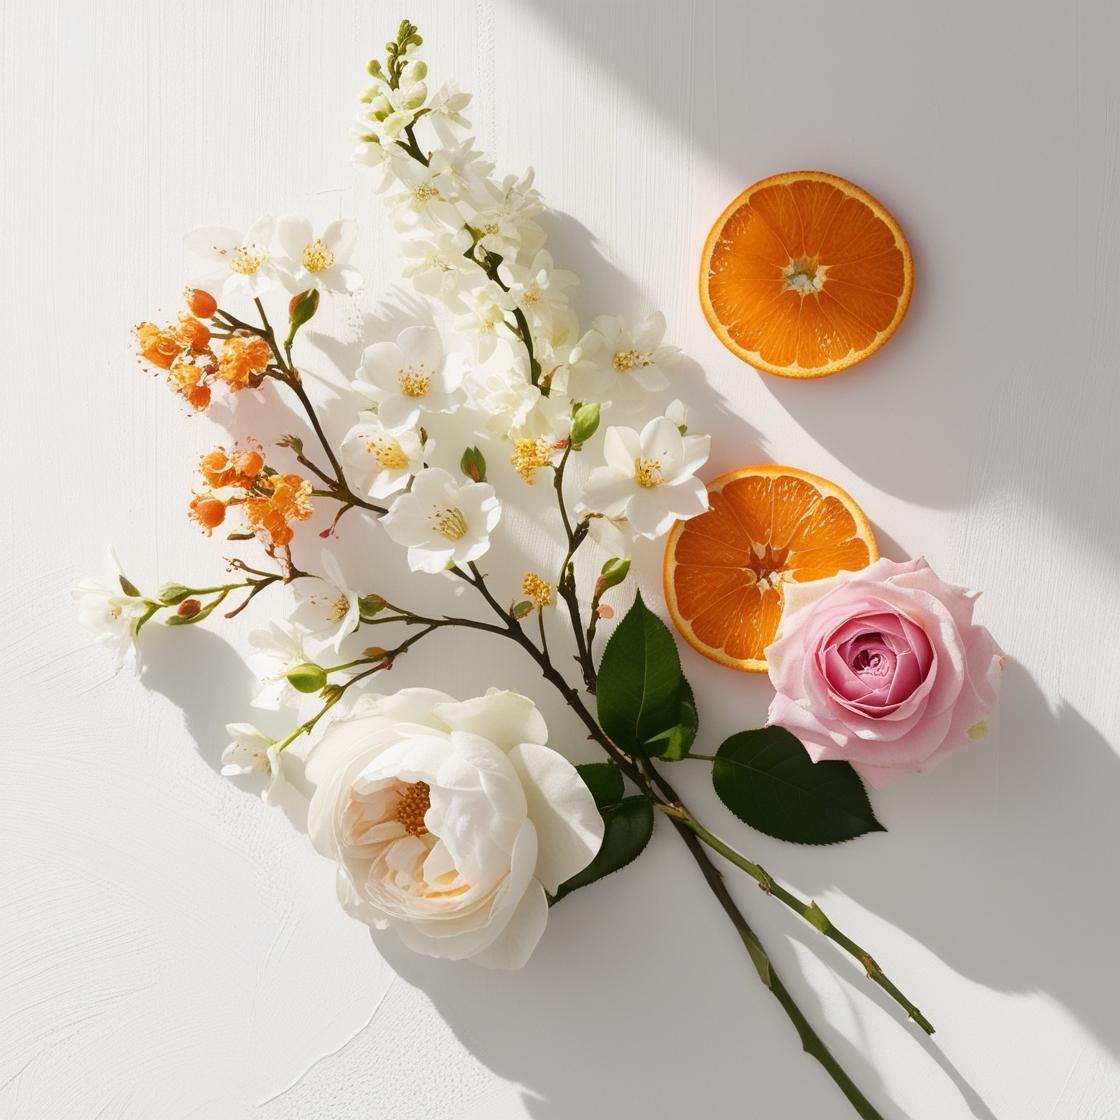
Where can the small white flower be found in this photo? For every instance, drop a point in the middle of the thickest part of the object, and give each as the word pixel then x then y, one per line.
pixel 512 406
pixel 441 522
pixel 228 262
pixel 435 262
pixel 381 461
pixel 278 650
pixel 649 478
pixel 388 112
pixel 253 752
pixel 618 364
pixel 387 159
pixel 502 213
pixel 539 289
pixel 327 610
pixel 112 617
pixel 318 262
pixel 427 198
pixel 410 376
pixel 485 318
pixel 446 112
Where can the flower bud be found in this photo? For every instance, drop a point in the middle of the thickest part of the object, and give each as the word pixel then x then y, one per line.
pixel 520 610
pixel 370 605
pixel 170 594
pixel 585 423
pixel 302 307
pixel 614 571
pixel 415 71
pixel 473 464
pixel 307 677
pixel 188 608
pixel 375 651
pixel 417 95
pixel 200 303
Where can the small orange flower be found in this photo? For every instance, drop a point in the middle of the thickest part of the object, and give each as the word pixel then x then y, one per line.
pixel 231 468
pixel 187 376
pixel 208 511
pixel 162 345
pixel 242 360
pixel 158 345
pixel 193 334
pixel 287 499
pixel 201 303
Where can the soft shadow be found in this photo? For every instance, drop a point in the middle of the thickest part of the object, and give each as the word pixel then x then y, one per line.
pixel 993 860
pixel 208 681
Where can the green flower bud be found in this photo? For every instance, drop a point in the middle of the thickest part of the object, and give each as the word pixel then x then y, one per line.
pixel 370 605
pixel 307 677
pixel 585 423
pixel 171 594
pixel 303 307
pixel 520 610
pixel 612 574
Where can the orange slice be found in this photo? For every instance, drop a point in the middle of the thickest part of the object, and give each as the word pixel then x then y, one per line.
pixel 805 274
pixel 765 526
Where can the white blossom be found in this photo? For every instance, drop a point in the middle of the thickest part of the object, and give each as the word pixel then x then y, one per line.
pixel 321 261
pixel 410 376
pixel 277 650
pixel 649 477
pixel 379 461
pixel 441 522
pixel 225 261
pixel 253 752
pixel 326 608
pixel 112 617
pixel 623 365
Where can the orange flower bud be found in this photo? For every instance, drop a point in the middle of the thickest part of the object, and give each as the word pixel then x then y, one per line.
pixel 242 360
pixel 201 303
pixel 208 511
pixel 188 608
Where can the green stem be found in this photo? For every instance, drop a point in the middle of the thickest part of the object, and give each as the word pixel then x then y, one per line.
pixel 810 911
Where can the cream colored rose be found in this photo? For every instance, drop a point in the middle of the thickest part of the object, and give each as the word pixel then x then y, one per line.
pixel 450 820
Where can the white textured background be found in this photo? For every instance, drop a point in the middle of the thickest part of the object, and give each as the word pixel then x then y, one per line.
pixel 169 948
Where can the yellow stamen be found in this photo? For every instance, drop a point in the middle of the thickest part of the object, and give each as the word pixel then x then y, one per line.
pixel 529 455
pixel 425 191
pixel 647 472
pixel 414 803
pixel 317 256
pixel 626 360
pixel 338 609
pixel 248 258
pixel 414 381
pixel 537 589
pixel 388 453
pixel 450 523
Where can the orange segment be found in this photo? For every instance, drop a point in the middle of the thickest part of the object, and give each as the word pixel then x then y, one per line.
pixel 805 274
pixel 765 526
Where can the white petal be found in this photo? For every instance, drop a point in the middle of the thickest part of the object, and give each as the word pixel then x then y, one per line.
pixel 621 446
pixel 661 440
pixel 569 826
pixel 505 718
pixel 294 234
pixel 696 451
pixel 340 236
pixel 513 947
pixel 421 344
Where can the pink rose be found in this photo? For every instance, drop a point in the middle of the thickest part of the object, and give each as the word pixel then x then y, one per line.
pixel 883 668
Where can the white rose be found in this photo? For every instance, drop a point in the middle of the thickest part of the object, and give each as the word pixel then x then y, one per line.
pixel 449 821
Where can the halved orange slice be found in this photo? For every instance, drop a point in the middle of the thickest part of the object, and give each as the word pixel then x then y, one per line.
pixel 805 274
pixel 767 525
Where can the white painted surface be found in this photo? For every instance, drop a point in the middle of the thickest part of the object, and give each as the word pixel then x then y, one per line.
pixel 169 948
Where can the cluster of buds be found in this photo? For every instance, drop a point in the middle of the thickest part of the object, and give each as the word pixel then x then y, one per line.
pixel 270 500
pixel 184 349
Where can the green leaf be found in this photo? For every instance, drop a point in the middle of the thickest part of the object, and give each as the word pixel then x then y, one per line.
pixel 674 744
pixel 128 587
pixel 767 779
pixel 640 682
pixel 604 780
pixel 629 825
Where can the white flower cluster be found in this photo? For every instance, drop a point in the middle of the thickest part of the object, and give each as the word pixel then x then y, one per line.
pixel 471 242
